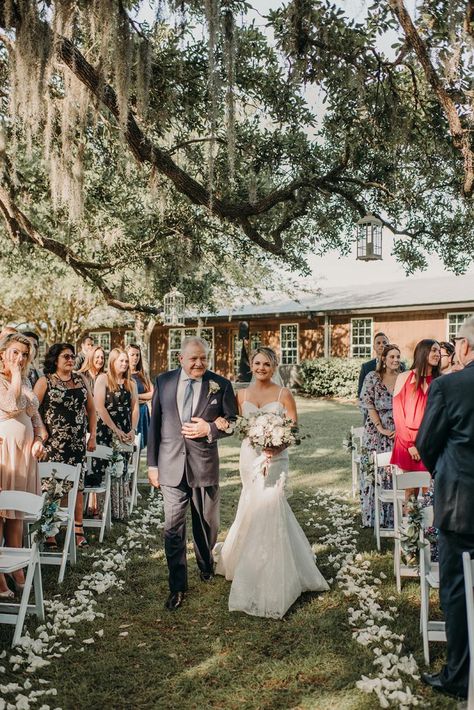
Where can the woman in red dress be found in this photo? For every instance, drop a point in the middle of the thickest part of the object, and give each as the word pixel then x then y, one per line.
pixel 409 403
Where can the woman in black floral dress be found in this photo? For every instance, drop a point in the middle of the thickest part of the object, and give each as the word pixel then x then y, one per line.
pixel 116 401
pixel 68 411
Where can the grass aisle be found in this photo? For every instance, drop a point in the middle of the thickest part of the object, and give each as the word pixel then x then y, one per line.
pixel 204 657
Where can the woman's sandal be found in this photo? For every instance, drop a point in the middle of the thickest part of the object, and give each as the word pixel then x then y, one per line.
pixel 80 539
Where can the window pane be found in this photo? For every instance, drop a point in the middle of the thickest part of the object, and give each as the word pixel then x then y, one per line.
pixel 455 320
pixel 102 339
pixel 361 337
pixel 289 344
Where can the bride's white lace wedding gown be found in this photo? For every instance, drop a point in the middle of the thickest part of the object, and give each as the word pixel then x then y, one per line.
pixel 266 553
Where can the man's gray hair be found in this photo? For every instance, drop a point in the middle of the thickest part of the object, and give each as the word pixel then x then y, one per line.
pixel 194 340
pixel 467 331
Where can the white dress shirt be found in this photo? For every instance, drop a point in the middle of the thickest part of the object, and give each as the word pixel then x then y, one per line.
pixel 182 384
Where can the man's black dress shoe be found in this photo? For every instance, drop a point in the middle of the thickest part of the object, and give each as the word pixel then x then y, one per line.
pixel 174 600
pixel 206 576
pixel 435 683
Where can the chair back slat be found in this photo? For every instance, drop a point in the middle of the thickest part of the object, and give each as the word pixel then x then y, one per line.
pixel 100 452
pixel 22 502
pixel 411 479
pixel 62 470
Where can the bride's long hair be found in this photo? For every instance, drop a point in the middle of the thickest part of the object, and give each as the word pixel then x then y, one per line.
pixel 273 358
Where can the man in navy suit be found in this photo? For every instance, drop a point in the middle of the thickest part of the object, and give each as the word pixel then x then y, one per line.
pixel 184 461
pixel 380 341
pixel 445 443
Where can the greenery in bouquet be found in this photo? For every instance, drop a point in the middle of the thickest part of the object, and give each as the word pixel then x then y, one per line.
pixel 48 523
pixel 267 430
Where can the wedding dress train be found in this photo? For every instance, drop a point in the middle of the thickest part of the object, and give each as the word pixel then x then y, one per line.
pixel 266 553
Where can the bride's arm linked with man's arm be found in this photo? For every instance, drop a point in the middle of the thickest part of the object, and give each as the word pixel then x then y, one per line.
pixel 220 404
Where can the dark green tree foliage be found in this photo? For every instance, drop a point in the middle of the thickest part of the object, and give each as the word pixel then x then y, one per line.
pixel 197 150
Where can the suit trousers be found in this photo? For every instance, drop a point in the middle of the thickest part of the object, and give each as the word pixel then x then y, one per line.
pixel 455 674
pixel 205 521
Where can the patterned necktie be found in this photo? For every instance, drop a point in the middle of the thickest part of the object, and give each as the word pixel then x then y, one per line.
pixel 188 402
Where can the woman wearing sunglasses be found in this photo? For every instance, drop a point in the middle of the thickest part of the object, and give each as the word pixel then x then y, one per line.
pixel 68 411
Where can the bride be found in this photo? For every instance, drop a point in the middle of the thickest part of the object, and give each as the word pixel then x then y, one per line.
pixel 266 553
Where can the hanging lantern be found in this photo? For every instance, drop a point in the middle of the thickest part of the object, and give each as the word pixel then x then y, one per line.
pixel 369 238
pixel 173 304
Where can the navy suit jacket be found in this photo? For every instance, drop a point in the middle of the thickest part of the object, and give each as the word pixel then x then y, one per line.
pixel 445 443
pixel 168 450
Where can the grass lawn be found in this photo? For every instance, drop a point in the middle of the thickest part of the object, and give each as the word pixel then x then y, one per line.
pixel 202 656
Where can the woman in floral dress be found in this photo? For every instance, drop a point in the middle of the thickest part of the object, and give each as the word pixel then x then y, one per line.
pixel 379 431
pixel 116 401
pixel 68 411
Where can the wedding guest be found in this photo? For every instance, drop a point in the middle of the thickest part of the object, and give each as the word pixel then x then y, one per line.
pixel 33 373
pixel 7 330
pixel 86 346
pixel 68 411
pixel 21 438
pixel 116 402
pixel 93 365
pixel 144 389
pixel 379 429
pixel 447 357
pixel 380 341
pixel 445 442
pixel 409 403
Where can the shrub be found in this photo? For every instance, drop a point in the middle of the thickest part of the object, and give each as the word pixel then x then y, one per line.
pixel 337 377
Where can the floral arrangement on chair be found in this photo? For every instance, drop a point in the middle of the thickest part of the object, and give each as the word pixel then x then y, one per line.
pixel 410 531
pixel 116 461
pixel 348 444
pixel 48 523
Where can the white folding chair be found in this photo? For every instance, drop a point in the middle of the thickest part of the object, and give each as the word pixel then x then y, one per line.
pixel 133 469
pixel 104 488
pixel 72 474
pixel 429 579
pixel 382 495
pixel 468 566
pixel 402 480
pixel 13 559
pixel 356 437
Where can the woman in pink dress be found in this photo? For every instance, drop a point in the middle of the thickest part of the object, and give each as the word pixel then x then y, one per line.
pixel 409 402
pixel 21 440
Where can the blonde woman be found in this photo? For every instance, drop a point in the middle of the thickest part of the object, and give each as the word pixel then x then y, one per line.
pixel 21 440
pixel 116 402
pixel 93 365
pixel 266 553
pixel 144 389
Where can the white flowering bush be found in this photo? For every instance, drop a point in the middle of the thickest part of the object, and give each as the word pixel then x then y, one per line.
pixel 62 626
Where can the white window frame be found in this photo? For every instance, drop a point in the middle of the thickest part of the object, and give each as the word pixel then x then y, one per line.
pixel 97 337
pixel 185 332
pixel 464 314
pixel 255 342
pixel 129 337
pixel 282 349
pixel 358 345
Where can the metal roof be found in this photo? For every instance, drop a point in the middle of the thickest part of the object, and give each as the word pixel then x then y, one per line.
pixel 410 294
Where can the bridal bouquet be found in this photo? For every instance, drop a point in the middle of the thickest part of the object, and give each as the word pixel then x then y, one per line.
pixel 266 430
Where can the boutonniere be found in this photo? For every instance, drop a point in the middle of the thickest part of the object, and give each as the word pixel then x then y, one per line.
pixel 214 387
